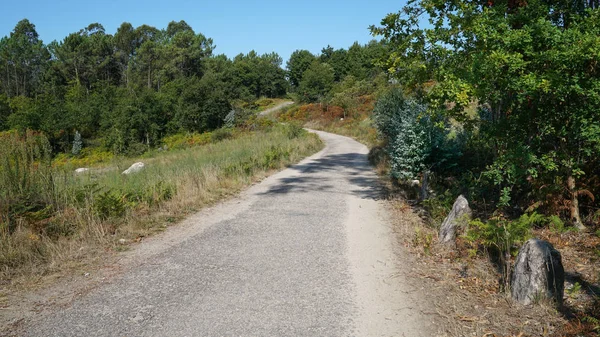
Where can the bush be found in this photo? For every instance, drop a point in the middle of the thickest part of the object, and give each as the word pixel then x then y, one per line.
pixel 293 130
pixel 400 123
pixel 504 235
pixel 220 135
pixel 26 177
pixel 109 204
pixel 183 141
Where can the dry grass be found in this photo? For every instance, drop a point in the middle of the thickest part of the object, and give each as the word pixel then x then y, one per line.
pixel 176 183
pixel 465 286
pixel 465 290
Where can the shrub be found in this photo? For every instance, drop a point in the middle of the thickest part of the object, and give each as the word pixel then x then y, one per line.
pixel 220 135
pixel 183 141
pixel 503 235
pixel 110 203
pixel 293 130
pixel 77 144
pixel 399 121
pixel 26 178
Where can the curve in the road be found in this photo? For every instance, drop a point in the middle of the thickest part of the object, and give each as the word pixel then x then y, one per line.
pixel 307 252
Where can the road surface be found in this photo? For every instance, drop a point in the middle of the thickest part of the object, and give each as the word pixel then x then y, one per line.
pixel 307 252
pixel 275 108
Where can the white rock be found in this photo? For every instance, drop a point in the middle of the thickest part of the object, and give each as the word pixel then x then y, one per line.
pixel 137 167
pixel 81 170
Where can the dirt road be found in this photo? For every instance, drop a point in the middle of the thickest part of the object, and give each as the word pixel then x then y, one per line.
pixel 275 108
pixel 307 252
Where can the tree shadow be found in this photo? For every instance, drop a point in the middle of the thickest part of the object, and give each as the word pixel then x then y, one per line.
pixel 352 167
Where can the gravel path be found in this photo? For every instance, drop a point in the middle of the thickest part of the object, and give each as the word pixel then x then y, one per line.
pixel 275 108
pixel 307 252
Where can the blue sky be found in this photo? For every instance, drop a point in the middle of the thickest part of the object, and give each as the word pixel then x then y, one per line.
pixel 235 26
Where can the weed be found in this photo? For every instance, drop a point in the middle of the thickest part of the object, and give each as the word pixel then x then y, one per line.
pixel 594 321
pixel 422 239
pixel 293 130
pixel 503 234
pixel 438 207
pixel 575 290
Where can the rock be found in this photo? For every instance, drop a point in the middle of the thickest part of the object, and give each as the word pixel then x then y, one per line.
pixel 137 167
pixel 81 170
pixel 461 213
pixel 538 273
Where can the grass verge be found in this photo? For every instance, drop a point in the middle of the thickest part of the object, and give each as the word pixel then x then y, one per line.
pixel 56 219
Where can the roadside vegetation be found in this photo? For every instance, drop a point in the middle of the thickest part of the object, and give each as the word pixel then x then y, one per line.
pixel 99 102
pixel 496 101
pixel 52 218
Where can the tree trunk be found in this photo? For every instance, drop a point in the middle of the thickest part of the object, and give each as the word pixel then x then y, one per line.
pixel 575 218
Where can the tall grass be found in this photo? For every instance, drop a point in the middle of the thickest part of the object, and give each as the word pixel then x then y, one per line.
pixel 47 214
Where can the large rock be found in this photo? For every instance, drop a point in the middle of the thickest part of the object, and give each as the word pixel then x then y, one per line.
pixel 538 273
pixel 460 215
pixel 137 167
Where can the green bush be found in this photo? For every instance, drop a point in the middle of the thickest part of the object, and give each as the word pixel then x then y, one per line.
pixel 273 156
pixel 221 134
pixel 504 235
pixel 110 203
pixel 407 133
pixel 293 130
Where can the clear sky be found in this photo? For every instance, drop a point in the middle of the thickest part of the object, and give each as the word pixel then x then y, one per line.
pixel 235 26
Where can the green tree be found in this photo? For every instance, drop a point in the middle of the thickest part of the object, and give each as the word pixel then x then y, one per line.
pixel 338 59
pixel 530 66
pixel 23 59
pixel 316 82
pixel 298 63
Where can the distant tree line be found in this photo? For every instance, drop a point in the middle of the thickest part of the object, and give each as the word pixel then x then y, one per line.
pixel 128 89
pixel 318 78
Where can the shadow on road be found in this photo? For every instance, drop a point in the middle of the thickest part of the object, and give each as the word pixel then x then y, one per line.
pixel 320 175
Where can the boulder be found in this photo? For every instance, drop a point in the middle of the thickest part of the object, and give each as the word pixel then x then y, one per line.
pixel 460 214
pixel 81 170
pixel 134 168
pixel 538 273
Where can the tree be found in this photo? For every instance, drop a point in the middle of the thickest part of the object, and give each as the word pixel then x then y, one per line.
pixel 125 46
pixel 316 82
pixel 531 67
pixel 299 61
pixel 23 59
pixel 260 75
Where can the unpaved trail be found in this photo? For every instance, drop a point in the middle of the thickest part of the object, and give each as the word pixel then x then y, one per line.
pixel 307 252
pixel 275 108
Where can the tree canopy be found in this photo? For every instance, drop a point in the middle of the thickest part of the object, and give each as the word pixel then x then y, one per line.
pixel 530 69
pixel 133 87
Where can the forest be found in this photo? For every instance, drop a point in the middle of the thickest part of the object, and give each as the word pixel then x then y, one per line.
pixel 129 90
